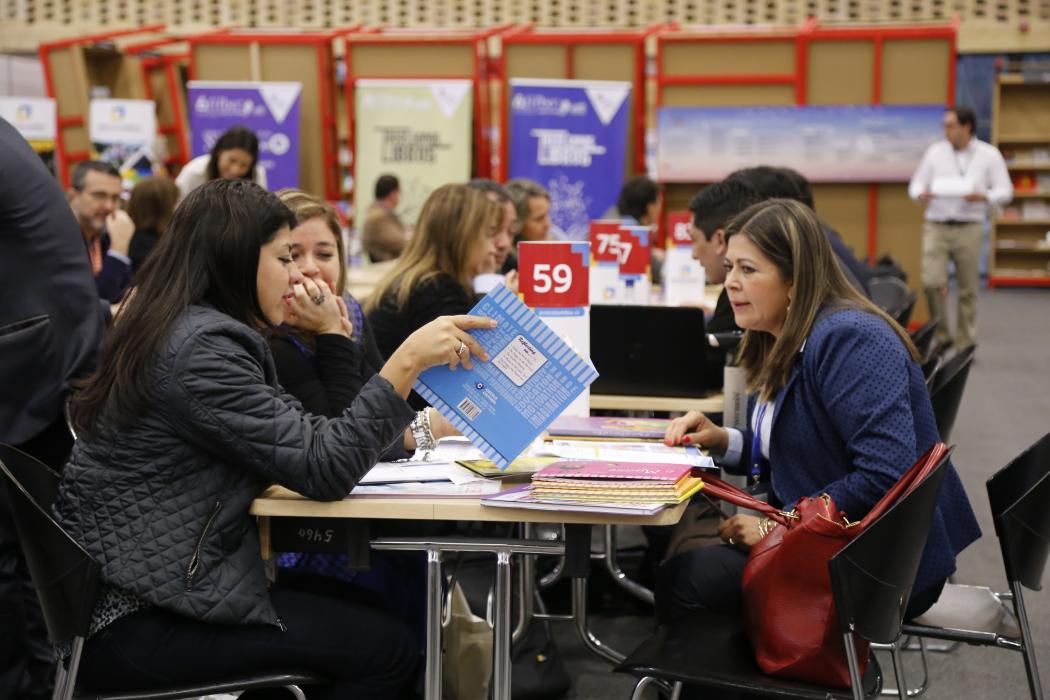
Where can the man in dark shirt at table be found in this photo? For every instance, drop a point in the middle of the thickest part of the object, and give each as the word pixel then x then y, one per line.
pixel 713 208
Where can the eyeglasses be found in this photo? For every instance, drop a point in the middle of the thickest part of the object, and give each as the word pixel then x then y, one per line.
pixel 100 197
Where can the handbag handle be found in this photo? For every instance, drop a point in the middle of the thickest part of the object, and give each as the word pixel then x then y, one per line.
pixel 713 486
pixel 908 481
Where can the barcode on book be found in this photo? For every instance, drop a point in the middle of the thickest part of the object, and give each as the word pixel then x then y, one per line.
pixel 469 409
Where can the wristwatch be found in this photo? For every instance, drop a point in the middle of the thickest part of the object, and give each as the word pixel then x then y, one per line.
pixel 422 433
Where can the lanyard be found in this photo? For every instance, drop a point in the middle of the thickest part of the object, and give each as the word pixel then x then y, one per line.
pixel 756 444
pixel 959 166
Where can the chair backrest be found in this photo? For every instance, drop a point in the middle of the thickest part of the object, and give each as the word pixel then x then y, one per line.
pixel 65 577
pixel 902 314
pixel 929 371
pixel 923 338
pixel 889 293
pixel 948 385
pixel 1019 495
pixel 872 589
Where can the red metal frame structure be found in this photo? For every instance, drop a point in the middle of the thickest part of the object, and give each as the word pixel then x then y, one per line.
pixel 323 42
pixel 568 39
pixel 479 75
pixel 808 33
pixel 167 62
pixel 61 155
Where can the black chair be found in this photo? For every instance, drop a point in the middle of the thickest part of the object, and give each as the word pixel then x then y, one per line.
pixel 871 593
pixel 902 314
pixel 929 371
pixel 891 294
pixel 948 385
pixel 923 339
pixel 1018 495
pixel 67 583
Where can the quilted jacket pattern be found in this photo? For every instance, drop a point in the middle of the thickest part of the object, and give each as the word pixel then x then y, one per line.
pixel 163 504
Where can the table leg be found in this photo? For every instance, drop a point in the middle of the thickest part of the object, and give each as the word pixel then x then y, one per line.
pixel 501 630
pixel 578 566
pixel 579 612
pixel 434 594
pixel 612 565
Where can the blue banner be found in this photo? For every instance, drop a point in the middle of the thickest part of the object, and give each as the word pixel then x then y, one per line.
pixel 571 137
pixel 826 144
pixel 271 110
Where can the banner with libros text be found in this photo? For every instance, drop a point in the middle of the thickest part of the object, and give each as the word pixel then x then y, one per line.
pixel 419 131
pixel 271 110
pixel 571 137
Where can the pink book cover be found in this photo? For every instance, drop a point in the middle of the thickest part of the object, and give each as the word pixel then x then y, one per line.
pixel 597 469
pixel 609 427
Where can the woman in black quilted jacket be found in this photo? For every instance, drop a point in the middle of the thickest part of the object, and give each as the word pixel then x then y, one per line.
pixel 184 424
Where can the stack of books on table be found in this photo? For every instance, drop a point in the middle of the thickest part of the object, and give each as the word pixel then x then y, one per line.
pixel 592 486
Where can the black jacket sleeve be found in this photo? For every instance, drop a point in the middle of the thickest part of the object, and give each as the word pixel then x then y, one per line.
pixel 327 383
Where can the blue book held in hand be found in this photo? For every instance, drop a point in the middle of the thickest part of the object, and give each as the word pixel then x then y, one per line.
pixel 502 405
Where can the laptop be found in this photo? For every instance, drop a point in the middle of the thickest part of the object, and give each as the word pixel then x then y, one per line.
pixel 649 351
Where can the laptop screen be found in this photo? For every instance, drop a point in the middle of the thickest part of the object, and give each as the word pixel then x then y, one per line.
pixel 649 350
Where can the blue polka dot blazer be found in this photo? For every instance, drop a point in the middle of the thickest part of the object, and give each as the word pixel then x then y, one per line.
pixel 853 416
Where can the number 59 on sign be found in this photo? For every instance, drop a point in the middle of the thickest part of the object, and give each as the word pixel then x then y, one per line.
pixel 554 274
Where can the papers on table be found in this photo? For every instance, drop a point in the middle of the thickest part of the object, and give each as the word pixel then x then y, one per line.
pixel 435 489
pixel 634 452
pixel 442 477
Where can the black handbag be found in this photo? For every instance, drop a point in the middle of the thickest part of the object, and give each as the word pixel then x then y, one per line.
pixel 537 669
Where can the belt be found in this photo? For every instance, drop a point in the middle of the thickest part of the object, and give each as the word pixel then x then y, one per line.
pixel 956 222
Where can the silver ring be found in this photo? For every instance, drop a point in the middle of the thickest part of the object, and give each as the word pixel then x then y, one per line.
pixel 731 542
pixel 319 299
pixel 462 347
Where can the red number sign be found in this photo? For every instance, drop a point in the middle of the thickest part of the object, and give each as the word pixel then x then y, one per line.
pixel 678 224
pixel 554 274
pixel 605 241
pixel 634 250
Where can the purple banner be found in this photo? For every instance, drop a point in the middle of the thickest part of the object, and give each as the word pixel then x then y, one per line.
pixel 271 110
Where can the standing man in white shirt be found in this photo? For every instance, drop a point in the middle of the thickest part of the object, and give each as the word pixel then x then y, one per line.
pixel 959 180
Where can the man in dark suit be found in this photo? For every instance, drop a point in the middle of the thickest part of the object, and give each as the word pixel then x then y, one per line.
pixel 51 325
pixel 107 229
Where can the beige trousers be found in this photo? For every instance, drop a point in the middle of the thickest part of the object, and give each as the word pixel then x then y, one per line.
pixel 962 245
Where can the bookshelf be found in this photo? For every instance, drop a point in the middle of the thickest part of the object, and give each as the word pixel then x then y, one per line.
pixel 1020 244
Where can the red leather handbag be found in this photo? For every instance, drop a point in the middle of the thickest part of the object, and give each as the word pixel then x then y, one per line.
pixel 789 608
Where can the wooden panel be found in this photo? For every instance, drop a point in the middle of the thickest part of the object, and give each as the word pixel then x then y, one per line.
pixel 295 63
pixel 840 72
pixel 736 58
pixel 1024 110
pixel 915 72
pixel 603 62
pixel 844 207
pixel 69 77
pixel 609 62
pixel 217 62
pixel 900 235
pixel 728 95
pixel 374 60
pixel 529 61
pixel 678 194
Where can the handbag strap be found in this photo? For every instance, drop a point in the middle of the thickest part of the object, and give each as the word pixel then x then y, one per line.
pixel 907 482
pixel 713 486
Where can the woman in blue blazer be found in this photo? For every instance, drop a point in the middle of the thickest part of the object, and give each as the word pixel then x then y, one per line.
pixel 838 406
